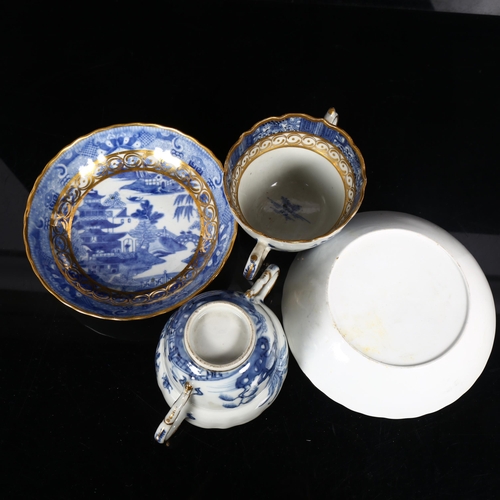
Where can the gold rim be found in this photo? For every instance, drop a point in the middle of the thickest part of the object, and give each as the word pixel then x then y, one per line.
pixel 237 213
pixel 334 163
pixel 34 191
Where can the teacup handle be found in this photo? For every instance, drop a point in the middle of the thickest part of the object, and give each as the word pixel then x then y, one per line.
pixel 259 253
pixel 175 416
pixel 264 284
pixel 331 116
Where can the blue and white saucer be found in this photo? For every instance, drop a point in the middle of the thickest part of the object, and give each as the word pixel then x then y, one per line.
pixel 129 222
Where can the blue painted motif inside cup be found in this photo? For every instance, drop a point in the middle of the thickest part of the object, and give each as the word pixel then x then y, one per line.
pixel 309 125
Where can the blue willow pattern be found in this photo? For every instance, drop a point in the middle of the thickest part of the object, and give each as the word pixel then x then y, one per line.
pixel 112 246
pixel 69 162
pixel 240 385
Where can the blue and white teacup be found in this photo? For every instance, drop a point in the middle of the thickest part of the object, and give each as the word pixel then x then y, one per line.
pixel 293 182
pixel 221 359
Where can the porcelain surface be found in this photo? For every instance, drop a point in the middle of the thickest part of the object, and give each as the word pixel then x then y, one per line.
pixel 391 318
pixel 230 349
pixel 292 183
pixel 129 222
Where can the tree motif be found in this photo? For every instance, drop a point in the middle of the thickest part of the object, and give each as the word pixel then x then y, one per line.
pixel 184 204
pixel 146 230
pixel 114 201
pixel 146 213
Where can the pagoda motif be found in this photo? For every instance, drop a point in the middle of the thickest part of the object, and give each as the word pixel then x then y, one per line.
pixel 93 221
pixel 102 251
pixel 117 242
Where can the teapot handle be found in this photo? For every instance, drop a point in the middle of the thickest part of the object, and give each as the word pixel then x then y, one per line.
pixel 175 416
pixel 264 284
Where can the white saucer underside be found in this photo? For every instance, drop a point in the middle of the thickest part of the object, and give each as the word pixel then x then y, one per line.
pixel 397 297
pixel 392 317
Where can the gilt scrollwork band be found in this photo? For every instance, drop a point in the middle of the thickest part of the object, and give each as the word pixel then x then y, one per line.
pixel 96 172
pixel 300 140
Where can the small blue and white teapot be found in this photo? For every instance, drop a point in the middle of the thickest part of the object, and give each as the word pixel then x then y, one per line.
pixel 221 359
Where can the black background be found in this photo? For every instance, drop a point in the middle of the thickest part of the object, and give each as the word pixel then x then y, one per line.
pixel 418 91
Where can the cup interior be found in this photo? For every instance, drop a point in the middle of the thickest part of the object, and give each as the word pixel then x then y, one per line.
pixel 219 336
pixel 291 194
